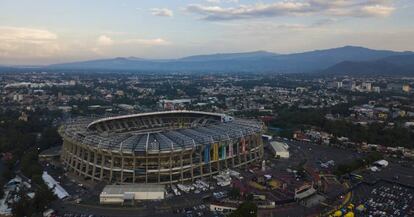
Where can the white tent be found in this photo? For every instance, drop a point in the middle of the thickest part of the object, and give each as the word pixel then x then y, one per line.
pixel 59 191
pixel 381 163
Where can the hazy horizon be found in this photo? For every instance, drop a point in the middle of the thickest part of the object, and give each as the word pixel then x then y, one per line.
pixel 47 32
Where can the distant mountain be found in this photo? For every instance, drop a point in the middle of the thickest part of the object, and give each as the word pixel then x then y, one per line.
pixel 230 56
pixel 6 68
pixel 259 61
pixel 392 65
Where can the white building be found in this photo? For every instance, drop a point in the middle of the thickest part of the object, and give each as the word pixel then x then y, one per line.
pixel 381 163
pixel 121 194
pixel 279 149
pixel 175 104
pixel 222 207
pixel 304 192
pixel 366 86
pixel 267 137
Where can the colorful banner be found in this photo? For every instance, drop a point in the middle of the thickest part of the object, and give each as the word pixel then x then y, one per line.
pixel 207 154
pixel 223 152
pixel 215 152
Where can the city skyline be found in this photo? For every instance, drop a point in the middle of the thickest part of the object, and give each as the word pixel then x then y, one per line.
pixel 55 32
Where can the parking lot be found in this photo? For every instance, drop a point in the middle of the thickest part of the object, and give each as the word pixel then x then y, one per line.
pixel 385 199
pixel 314 153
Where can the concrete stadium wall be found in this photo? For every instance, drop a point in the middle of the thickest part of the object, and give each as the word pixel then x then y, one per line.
pixel 162 167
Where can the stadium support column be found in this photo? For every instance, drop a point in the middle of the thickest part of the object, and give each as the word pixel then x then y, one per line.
pixel 238 152
pixel 69 156
pixel 146 166
pixel 72 155
pixel 102 166
pixel 82 162
pixel 259 147
pixel 201 161
pixel 111 171
pixel 181 164
pixel 192 165
pixel 159 165
pixel 77 159
pixel 79 164
pixel 69 153
pixel 245 142
pixel 260 144
pixel 252 145
pixel 225 157
pixel 95 157
pixel 170 162
pixel 122 168
pixel 231 152
pixel 88 160
pixel 134 168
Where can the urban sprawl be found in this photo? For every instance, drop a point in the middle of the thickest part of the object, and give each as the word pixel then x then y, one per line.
pixel 281 145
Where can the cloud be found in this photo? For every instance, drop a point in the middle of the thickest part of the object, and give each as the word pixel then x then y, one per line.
pixel 162 12
pixel 23 42
pixel 104 40
pixel 222 1
pixel 149 42
pixel 25 34
pixel 297 37
pixel 324 22
pixel 105 44
pixel 214 1
pixel 248 11
pixel 350 8
pixel 377 10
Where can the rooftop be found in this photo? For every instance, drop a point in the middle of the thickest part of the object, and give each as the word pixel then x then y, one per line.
pixel 279 146
pixel 121 189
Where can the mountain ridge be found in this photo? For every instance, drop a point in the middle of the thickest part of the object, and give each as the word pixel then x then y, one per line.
pixel 255 61
pixel 392 65
pixel 322 60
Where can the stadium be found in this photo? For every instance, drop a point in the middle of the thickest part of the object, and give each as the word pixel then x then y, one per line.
pixel 159 147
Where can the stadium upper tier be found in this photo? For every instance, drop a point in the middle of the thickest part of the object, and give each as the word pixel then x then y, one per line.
pixel 157 131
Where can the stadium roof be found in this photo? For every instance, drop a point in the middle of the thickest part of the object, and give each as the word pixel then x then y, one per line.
pixel 150 135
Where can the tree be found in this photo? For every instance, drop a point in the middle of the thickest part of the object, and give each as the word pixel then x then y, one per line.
pixel 43 197
pixel 246 209
pixel 234 193
pixel 1 188
pixel 50 138
pixel 23 207
pixel 345 168
pixel 30 167
pixel 249 197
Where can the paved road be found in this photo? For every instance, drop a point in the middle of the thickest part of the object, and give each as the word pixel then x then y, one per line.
pixel 391 172
pixel 162 208
pixel 67 207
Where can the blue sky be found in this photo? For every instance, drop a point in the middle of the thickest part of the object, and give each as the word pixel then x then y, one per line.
pixel 51 31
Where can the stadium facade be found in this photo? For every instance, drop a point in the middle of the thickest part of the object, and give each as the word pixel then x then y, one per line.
pixel 159 147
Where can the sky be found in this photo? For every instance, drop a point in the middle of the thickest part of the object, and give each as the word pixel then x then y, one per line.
pixel 40 32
